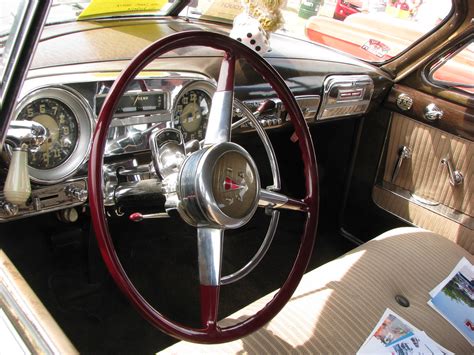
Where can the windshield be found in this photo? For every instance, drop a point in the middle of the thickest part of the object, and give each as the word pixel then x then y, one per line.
pixel 372 30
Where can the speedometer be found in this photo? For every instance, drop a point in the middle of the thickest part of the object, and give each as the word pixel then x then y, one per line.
pixel 67 118
pixel 192 110
pixel 62 127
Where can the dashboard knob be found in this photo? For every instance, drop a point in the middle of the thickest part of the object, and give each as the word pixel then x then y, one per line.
pixel 8 209
pixel 404 102
pixel 433 112
pixel 76 193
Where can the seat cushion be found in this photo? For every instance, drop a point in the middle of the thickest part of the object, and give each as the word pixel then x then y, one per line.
pixel 337 305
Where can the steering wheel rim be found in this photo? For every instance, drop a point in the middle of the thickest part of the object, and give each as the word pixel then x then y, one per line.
pixel 211 332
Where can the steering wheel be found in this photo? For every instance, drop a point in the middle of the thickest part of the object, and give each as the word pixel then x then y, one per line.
pixel 218 188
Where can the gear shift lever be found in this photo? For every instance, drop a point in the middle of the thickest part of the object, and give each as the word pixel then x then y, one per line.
pixel 22 135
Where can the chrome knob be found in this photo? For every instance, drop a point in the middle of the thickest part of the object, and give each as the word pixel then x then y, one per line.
pixel 8 209
pixel 433 112
pixel 76 193
pixel 404 102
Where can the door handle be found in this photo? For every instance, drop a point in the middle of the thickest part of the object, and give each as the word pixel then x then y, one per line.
pixel 403 153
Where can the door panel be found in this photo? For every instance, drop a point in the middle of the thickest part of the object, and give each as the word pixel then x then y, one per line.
pixel 423 174
pixel 417 187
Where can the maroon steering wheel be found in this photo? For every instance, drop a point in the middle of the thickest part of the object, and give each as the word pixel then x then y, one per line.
pixel 196 185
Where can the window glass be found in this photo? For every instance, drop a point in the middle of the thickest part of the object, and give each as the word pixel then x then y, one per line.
pixel 10 17
pixel 457 71
pixel 373 30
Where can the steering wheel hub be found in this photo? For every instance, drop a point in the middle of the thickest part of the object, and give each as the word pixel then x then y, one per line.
pixel 219 186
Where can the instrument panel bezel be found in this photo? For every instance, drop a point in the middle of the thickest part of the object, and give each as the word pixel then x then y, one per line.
pixel 85 120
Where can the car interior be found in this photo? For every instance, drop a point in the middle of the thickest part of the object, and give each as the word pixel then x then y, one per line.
pixel 168 188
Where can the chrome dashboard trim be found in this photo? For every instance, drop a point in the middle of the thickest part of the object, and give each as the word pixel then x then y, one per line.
pixel 96 76
pixel 48 199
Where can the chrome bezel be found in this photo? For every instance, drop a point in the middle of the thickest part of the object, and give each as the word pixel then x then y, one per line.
pixel 85 122
pixel 202 85
pixel 195 190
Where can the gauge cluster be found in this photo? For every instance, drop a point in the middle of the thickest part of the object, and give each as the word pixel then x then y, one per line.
pixel 192 108
pixel 69 122
pixel 68 112
pixel 62 127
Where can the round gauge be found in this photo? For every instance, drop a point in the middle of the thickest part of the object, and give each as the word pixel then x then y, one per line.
pixel 192 110
pixel 67 118
pixel 62 127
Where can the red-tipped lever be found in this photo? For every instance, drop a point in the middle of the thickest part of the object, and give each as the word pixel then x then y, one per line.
pixel 265 106
pixel 138 217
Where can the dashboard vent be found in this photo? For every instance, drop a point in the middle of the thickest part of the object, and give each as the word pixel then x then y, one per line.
pixel 345 95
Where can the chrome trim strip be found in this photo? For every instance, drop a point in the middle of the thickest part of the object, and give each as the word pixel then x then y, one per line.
pixel 91 77
pixel 42 203
pixel 442 210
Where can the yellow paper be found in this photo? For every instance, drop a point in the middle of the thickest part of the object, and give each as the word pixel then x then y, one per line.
pixel 98 8
pixel 223 9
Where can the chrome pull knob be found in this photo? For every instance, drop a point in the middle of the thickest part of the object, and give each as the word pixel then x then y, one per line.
pixel 455 176
pixel 8 209
pixel 433 112
pixel 403 153
pixel 76 193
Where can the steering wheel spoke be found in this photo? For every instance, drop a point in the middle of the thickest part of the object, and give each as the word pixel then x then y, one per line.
pixel 210 242
pixel 220 118
pixel 276 200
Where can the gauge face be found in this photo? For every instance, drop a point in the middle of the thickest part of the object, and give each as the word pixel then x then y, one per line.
pixel 62 127
pixel 192 113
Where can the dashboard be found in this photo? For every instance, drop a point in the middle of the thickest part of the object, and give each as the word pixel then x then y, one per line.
pixel 67 100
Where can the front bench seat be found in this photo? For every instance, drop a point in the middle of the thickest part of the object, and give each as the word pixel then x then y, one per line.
pixel 337 305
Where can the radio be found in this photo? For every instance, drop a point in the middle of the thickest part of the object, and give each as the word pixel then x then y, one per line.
pixel 345 95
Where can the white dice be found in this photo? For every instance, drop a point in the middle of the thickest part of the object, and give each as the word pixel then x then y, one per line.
pixel 248 31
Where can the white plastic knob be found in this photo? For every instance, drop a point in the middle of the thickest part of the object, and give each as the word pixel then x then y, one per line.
pixel 17 187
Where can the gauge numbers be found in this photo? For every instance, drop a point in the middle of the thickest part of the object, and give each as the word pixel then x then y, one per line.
pixel 192 113
pixel 62 128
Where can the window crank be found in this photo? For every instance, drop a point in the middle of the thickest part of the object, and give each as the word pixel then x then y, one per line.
pixel 403 153
pixel 455 176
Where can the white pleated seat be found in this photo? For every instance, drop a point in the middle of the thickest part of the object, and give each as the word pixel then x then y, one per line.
pixel 337 305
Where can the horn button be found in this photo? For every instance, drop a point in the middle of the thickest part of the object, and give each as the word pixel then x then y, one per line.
pixel 219 186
